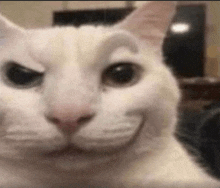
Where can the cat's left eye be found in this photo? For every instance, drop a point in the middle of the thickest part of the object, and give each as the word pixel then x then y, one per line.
pixel 121 75
pixel 21 77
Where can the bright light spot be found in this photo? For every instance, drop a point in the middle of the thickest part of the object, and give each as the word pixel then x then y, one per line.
pixel 180 28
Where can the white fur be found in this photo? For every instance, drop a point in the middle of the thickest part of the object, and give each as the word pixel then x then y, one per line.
pixel 130 139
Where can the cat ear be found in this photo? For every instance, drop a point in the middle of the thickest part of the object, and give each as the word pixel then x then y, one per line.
pixel 150 22
pixel 7 27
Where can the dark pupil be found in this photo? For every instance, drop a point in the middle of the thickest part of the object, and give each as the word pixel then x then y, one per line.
pixel 121 74
pixel 20 75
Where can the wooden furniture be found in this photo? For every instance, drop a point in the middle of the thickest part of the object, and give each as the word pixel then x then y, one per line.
pixel 199 92
pixel 205 88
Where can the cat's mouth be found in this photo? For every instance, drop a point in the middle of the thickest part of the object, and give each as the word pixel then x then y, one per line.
pixel 74 151
pixel 73 158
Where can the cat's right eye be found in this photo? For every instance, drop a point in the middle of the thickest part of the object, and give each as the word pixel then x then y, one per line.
pixel 121 75
pixel 21 77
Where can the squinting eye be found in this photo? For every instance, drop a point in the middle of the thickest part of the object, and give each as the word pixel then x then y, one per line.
pixel 121 75
pixel 21 77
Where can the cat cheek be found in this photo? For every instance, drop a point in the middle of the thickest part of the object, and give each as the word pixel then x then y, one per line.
pixel 108 132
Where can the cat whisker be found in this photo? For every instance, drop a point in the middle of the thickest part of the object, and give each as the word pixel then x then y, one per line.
pixel 118 130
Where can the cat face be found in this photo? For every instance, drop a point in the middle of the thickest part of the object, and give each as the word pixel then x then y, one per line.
pixel 86 94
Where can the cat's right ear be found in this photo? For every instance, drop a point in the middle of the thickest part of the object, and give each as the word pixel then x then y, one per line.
pixel 7 27
pixel 150 22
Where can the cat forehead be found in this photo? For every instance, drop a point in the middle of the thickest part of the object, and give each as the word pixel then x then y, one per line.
pixel 67 34
pixel 68 42
pixel 63 38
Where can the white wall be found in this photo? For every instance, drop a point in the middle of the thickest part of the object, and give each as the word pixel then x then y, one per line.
pixel 33 14
pixel 213 39
pixel 30 14
pixel 73 5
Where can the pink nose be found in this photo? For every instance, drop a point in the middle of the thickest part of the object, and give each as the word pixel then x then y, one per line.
pixel 68 117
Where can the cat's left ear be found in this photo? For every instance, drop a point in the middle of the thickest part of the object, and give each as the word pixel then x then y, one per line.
pixel 8 28
pixel 150 22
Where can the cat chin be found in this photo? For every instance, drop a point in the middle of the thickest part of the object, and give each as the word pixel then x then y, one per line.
pixel 71 159
pixel 82 162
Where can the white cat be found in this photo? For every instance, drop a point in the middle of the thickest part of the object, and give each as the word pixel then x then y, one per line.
pixel 91 106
